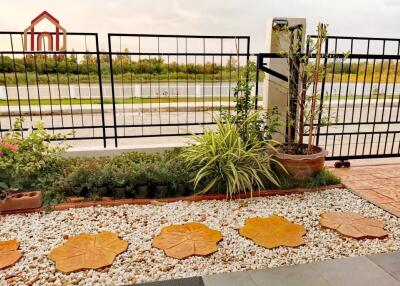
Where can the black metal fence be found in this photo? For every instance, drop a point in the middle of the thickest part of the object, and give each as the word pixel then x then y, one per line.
pixel 359 105
pixel 169 85
pixel 143 86
pixel 360 98
pixel 61 89
pixel 184 81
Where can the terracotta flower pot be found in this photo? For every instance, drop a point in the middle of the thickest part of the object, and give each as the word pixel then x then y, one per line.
pixel 21 201
pixel 302 167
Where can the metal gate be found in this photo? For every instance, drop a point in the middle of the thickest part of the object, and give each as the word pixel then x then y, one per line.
pixel 360 98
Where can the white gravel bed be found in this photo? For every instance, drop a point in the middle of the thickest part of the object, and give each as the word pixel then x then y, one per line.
pixel 39 233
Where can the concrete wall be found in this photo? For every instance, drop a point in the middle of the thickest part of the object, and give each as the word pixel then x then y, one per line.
pixel 111 152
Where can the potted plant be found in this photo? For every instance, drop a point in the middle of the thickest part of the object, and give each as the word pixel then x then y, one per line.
pixel 179 174
pixel 79 180
pixel 302 159
pixel 139 180
pixel 119 182
pixel 99 179
pixel 160 180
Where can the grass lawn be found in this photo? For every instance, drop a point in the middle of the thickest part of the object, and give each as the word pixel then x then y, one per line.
pixel 136 100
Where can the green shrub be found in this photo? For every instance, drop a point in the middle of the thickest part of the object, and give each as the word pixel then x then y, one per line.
pixel 25 159
pixel 227 163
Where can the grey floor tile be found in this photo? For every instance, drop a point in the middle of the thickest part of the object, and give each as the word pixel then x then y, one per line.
pixel 192 281
pixel 357 271
pixel 389 262
pixel 229 279
pixel 299 275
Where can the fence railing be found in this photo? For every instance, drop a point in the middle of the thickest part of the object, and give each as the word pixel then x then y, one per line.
pixel 360 98
pixel 171 85
pixel 143 86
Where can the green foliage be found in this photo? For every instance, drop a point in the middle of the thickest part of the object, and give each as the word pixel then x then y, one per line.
pixel 44 69
pixel 323 178
pixel 254 125
pixel 97 177
pixel 226 163
pixel 24 159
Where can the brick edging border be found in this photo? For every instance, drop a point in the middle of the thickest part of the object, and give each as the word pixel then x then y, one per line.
pixel 194 198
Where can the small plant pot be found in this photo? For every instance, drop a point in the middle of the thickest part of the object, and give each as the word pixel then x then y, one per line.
pixel 302 167
pixel 130 193
pixel 21 201
pixel 119 193
pixel 102 191
pixel 142 192
pixel 160 191
pixel 189 190
pixel 179 191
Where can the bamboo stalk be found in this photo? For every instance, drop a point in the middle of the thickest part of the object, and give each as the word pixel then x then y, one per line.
pixel 315 83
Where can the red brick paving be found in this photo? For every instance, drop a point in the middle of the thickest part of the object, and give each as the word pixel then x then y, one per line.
pixel 378 184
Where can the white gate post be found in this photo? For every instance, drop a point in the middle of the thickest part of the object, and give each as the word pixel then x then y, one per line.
pixel 275 92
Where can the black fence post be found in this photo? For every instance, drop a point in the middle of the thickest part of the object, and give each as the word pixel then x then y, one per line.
pixel 113 91
pixel 101 92
pixel 257 79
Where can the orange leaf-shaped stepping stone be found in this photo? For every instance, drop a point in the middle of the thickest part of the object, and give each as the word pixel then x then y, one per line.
pixel 273 231
pixel 182 241
pixel 88 251
pixel 9 253
pixel 353 225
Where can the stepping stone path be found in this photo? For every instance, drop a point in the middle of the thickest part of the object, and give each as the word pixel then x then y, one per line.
pixel 353 225
pixel 9 253
pixel 273 231
pixel 184 240
pixel 88 251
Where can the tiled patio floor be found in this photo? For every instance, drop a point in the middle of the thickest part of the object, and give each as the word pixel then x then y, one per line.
pixel 371 270
pixel 378 184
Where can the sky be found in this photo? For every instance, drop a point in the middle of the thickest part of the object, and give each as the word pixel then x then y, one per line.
pixel 375 18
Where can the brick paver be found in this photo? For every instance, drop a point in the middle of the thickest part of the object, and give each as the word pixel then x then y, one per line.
pixel 378 184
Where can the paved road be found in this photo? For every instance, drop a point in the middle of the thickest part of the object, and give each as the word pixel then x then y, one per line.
pixel 172 89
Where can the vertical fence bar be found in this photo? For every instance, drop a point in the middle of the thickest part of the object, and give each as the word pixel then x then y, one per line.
pixel 103 123
pixel 257 79
pixel 113 92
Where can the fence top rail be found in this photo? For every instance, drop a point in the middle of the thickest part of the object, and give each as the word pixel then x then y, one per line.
pixel 360 38
pixel 336 55
pixel 53 33
pixel 125 53
pixel 176 36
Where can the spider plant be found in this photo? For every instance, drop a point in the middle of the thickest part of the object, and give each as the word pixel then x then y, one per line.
pixel 225 162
